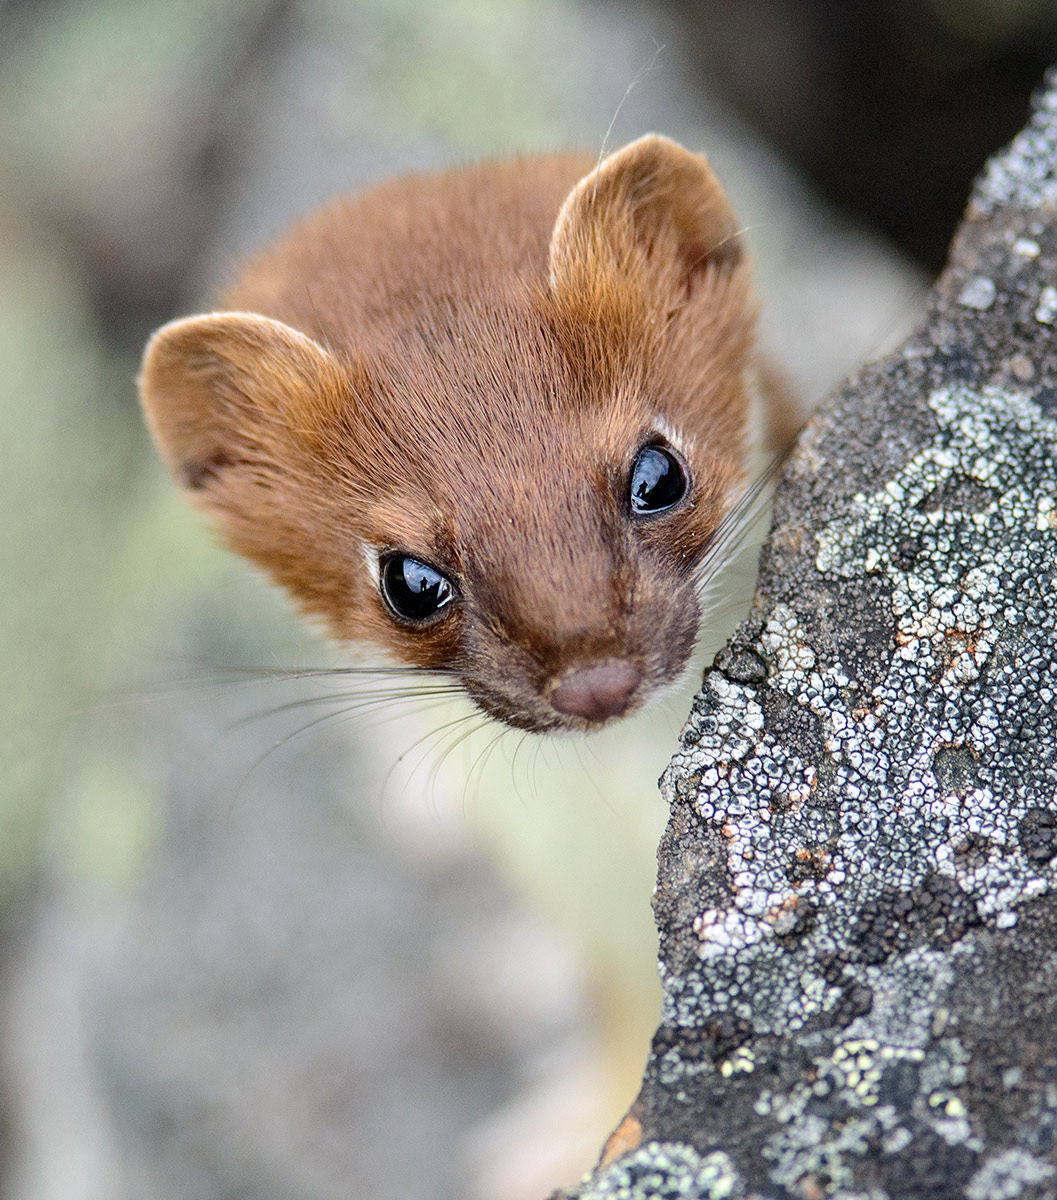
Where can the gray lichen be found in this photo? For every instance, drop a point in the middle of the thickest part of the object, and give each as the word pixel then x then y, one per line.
pixel 857 897
pixel 1025 175
pixel 667 1172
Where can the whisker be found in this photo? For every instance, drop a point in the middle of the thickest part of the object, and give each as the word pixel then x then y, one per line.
pixel 344 714
pixel 534 744
pixel 361 699
pixel 426 737
pixel 744 513
pixel 387 712
pixel 221 679
pixel 424 741
pixel 539 751
pixel 282 673
pixel 475 776
pixel 641 73
pixel 446 753
pixel 582 745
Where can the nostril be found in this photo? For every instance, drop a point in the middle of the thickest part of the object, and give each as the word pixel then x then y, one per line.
pixel 599 692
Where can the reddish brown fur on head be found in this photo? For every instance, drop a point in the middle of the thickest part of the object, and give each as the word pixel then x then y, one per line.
pixel 463 368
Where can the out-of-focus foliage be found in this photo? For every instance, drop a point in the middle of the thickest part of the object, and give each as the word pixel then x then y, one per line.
pixel 465 72
pixel 92 549
pixel 71 490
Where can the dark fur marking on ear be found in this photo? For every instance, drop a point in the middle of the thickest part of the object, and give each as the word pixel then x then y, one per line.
pixel 198 474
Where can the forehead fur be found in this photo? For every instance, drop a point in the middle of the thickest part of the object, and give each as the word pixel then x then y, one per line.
pixel 493 400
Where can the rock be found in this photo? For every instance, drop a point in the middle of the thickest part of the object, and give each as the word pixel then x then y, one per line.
pixel 857 897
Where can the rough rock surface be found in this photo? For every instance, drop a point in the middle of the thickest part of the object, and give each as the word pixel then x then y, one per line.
pixel 857 896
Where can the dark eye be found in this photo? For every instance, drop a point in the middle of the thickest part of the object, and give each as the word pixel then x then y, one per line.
pixel 658 480
pixel 414 590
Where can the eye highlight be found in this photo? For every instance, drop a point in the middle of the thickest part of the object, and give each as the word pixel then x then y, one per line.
pixel 414 591
pixel 658 481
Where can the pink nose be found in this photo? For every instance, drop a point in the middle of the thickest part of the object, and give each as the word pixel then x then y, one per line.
pixel 599 692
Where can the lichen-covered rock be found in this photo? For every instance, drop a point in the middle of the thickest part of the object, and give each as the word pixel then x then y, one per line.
pixel 857 897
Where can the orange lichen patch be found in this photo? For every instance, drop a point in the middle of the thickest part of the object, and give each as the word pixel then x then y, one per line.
pixel 812 863
pixel 811 1187
pixel 626 1137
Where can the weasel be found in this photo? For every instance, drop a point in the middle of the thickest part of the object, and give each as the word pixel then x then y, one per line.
pixel 487 420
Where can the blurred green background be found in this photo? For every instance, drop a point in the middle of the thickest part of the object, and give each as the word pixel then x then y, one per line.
pixel 187 935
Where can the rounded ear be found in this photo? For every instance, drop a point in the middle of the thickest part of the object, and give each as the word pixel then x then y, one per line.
pixel 651 197
pixel 231 390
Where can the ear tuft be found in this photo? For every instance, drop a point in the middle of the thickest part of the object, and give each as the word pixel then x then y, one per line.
pixel 651 199
pixel 223 385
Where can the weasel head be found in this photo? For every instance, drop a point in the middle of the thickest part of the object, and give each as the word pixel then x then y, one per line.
pixel 511 476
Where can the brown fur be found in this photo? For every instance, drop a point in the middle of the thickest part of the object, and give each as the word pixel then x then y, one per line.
pixel 463 367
